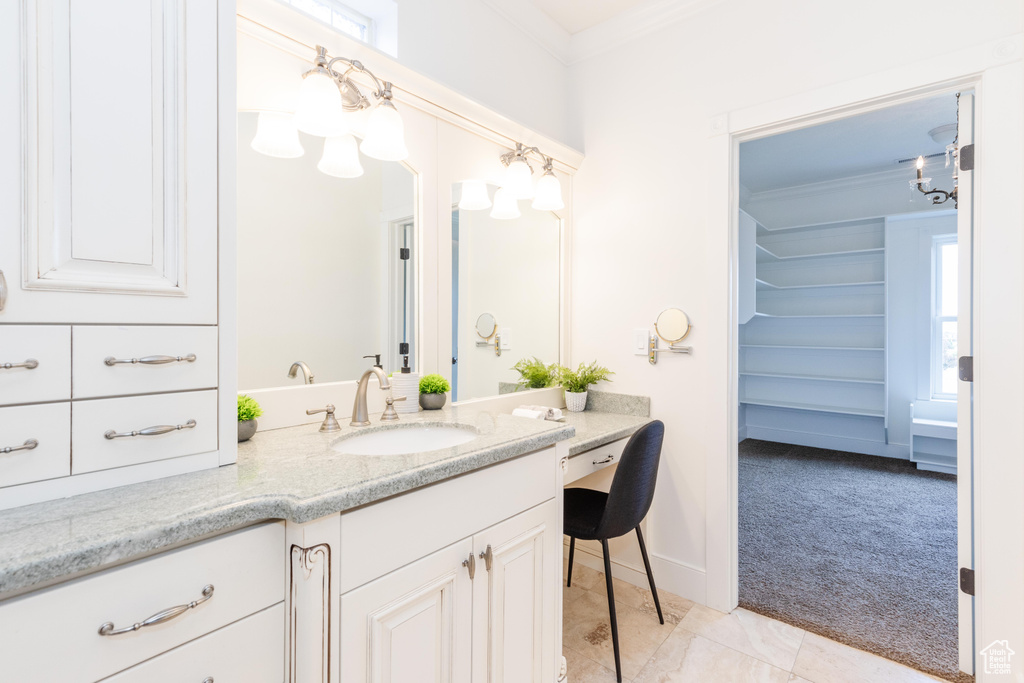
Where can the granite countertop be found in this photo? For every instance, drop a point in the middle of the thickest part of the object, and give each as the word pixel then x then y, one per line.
pixel 595 429
pixel 289 473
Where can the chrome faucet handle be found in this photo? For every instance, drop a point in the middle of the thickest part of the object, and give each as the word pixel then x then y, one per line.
pixel 330 423
pixel 390 414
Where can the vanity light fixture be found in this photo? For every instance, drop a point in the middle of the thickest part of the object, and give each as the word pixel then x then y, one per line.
pixel 505 205
pixel 549 191
pixel 474 196
pixel 341 158
pixel 330 102
pixel 277 136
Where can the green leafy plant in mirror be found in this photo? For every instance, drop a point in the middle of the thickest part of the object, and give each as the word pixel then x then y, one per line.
pixel 434 384
pixel 533 374
pixel 576 381
pixel 248 408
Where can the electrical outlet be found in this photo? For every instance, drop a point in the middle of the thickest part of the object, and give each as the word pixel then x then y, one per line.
pixel 640 335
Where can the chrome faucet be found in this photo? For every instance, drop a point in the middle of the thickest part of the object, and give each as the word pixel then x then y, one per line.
pixel 360 416
pixel 307 374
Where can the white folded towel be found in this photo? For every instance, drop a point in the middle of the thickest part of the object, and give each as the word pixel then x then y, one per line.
pixel 532 414
pixel 549 413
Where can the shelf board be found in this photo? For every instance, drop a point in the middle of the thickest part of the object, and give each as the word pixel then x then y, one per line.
pixel 762 284
pixel 864 412
pixel 830 315
pixel 816 378
pixel 825 254
pixel 812 348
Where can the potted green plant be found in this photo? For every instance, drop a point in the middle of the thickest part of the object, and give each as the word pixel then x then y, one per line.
pixel 533 374
pixel 248 411
pixel 575 383
pixel 432 392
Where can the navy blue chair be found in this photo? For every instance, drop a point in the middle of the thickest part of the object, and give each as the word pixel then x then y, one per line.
pixel 598 516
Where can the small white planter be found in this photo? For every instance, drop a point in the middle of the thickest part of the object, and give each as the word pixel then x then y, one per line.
pixel 575 403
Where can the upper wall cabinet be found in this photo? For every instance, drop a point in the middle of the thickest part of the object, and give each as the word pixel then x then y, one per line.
pixel 108 183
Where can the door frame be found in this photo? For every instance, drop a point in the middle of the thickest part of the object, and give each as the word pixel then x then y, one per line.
pixel 995 72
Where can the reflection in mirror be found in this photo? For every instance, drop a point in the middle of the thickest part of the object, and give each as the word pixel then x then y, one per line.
pixel 486 326
pixel 505 282
pixel 672 325
pixel 325 266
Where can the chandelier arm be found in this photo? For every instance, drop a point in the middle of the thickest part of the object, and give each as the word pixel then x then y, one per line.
pixel 357 66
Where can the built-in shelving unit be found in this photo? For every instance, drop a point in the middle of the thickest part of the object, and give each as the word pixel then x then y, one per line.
pixel 812 356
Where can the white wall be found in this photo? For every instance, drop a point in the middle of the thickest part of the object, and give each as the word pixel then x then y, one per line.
pixel 467 46
pixel 639 200
pixel 508 268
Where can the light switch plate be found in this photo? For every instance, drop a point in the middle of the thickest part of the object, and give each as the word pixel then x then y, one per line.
pixel 640 335
pixel 506 339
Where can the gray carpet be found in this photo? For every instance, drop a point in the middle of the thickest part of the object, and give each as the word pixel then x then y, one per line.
pixel 857 548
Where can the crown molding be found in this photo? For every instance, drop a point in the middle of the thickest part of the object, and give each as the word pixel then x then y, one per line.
pixel 867 180
pixel 619 30
pixel 633 24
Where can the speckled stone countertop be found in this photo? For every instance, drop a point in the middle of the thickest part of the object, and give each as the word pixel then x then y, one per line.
pixel 290 473
pixel 608 417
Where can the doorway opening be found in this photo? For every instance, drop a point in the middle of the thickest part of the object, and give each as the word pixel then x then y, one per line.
pixel 854 293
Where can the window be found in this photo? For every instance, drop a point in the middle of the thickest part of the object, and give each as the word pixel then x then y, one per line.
pixel 944 318
pixel 337 16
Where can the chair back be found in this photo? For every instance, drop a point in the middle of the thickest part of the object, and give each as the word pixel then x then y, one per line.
pixel 632 489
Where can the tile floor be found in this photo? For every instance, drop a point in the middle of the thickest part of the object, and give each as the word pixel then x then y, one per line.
pixel 700 645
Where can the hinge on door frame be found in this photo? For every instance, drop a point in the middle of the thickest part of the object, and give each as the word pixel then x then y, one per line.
pixel 403 253
pixel 965 158
pixel 967 580
pixel 965 368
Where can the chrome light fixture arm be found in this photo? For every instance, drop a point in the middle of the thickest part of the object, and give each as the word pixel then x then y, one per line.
pixel 522 152
pixel 353 98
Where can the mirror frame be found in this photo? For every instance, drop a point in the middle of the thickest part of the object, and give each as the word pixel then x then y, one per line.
pixel 689 326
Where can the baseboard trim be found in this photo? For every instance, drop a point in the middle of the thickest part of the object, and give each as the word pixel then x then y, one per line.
pixel 743 432
pixel 671 575
pixel 836 443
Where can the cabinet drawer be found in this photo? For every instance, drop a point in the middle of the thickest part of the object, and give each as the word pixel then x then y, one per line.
pixel 94 420
pixel 54 634
pixel 420 521
pixel 156 350
pixel 49 425
pixel 50 348
pixel 250 651
pixel 595 459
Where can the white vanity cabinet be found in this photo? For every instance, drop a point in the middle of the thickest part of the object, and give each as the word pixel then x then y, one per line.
pixel 220 590
pixel 110 134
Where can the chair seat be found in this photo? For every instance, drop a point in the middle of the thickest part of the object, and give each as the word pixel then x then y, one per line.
pixel 583 511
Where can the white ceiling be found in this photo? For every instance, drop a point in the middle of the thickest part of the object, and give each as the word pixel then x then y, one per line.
pixel 858 145
pixel 578 15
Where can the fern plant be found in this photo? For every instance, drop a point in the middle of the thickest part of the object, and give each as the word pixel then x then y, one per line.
pixel 576 381
pixel 434 384
pixel 533 374
pixel 248 408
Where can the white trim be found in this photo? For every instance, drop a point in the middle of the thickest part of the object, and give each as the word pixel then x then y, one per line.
pixel 884 178
pixel 227 234
pixel 996 73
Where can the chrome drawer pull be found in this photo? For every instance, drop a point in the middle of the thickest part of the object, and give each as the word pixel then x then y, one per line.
pixel 208 679
pixel 3 290
pixel 31 364
pixel 150 431
pixel 108 629
pixel 610 458
pixel 27 446
pixel 150 360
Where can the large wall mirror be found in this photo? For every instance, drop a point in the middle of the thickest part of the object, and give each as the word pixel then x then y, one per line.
pixel 506 297
pixel 326 270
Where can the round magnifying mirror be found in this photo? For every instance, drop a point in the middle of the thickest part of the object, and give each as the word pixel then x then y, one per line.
pixel 672 325
pixel 486 326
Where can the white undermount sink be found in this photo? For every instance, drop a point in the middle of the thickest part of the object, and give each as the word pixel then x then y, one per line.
pixel 398 441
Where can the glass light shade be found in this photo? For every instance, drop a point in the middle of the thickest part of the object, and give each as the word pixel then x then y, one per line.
pixel 320 111
pixel 341 158
pixel 549 194
pixel 518 182
pixel 357 121
pixel 474 195
pixel 385 135
pixel 277 136
pixel 505 205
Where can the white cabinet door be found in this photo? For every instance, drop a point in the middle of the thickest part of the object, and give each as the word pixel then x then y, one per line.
pixel 412 625
pixel 516 589
pixel 108 178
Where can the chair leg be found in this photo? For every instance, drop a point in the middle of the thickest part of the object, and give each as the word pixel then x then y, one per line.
pixel 611 607
pixel 572 551
pixel 650 574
